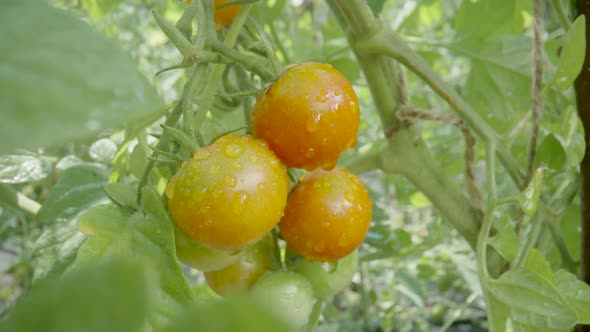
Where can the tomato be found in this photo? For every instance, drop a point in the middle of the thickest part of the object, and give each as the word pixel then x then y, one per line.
pixel 327 215
pixel 237 278
pixel 288 294
pixel 309 116
pixel 229 194
pixel 327 279
pixel 223 16
pixel 199 257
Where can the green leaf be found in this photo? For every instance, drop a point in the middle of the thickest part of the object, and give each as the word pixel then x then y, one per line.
pixel 138 160
pixel 56 249
pixel 110 297
pixel 60 80
pixel 23 168
pixel 501 313
pixel 100 8
pixel 529 198
pixel 140 236
pixel 78 188
pixel 124 194
pixel 506 242
pixel 532 300
pixel 498 85
pixel 537 263
pixel 576 293
pixel 551 152
pixel 268 10
pixel 242 315
pixel 467 267
pixel 490 18
pixel 348 67
pixel 571 59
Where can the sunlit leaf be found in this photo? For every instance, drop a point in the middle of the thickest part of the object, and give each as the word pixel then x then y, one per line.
pixel 23 168
pixel 575 292
pixel 506 242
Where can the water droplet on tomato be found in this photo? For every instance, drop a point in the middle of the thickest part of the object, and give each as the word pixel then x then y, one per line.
pixel 230 180
pixel 233 150
pixel 201 154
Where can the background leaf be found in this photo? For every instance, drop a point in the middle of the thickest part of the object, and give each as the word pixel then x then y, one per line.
pixel 118 232
pixel 23 168
pixel 108 297
pixel 576 293
pixel 533 300
pixel 60 80
pixel 78 188
pixel 571 59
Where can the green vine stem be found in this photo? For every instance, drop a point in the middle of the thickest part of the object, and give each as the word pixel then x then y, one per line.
pixel 406 153
pixel 16 200
pixel 369 39
pixel 315 315
pixel 563 18
pixel 216 72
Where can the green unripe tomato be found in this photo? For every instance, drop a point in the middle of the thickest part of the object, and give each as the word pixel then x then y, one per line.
pixel 326 278
pixel 202 258
pixel 235 279
pixel 288 294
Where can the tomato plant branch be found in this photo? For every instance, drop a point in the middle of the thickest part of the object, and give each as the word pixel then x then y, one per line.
pixel 16 200
pixel 405 153
pixel 315 315
pixel 184 46
pixel 537 86
pixel 255 64
pixel 212 82
pixel 563 19
pixel 386 42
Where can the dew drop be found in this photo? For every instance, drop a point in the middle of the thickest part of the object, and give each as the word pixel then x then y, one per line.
pixel 233 150
pixel 201 154
pixel 342 241
pixel 310 152
pixel 312 125
pixel 336 93
pixel 260 186
pixel 349 196
pixel 230 180
pixel 325 224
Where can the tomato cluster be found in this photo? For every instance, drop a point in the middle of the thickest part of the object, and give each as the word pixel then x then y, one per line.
pixel 228 197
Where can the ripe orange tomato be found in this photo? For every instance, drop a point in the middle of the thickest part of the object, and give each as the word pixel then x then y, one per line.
pixel 223 16
pixel 309 116
pixel 236 279
pixel 229 194
pixel 327 215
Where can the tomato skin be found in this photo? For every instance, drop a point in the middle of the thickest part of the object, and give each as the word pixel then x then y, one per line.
pixel 229 194
pixel 288 294
pixel 235 279
pixel 326 280
pixel 309 116
pixel 223 16
pixel 200 257
pixel 327 215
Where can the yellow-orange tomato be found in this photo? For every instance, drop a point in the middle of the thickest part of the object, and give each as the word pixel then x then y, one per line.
pixel 327 215
pixel 229 194
pixel 223 16
pixel 309 116
pixel 237 278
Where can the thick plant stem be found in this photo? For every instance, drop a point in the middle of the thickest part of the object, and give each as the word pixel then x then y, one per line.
pixel 14 199
pixel 582 87
pixel 369 38
pixel 410 157
pixel 406 153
